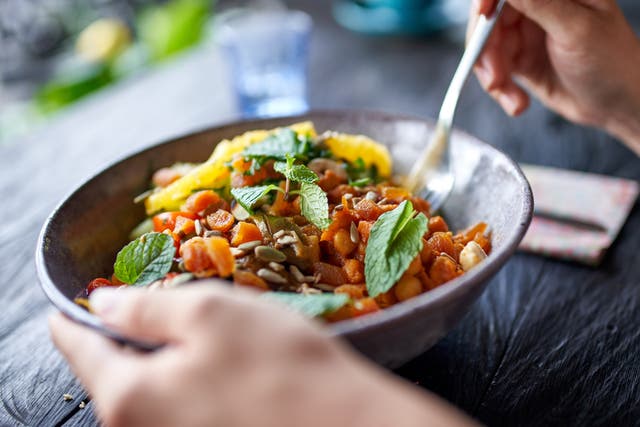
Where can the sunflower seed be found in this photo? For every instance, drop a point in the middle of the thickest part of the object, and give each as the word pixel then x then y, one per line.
pixel 276 267
pixel 324 287
pixel 297 274
pixel 383 201
pixel 348 196
pixel 279 234
pixel 353 233
pixel 338 207
pixel 199 229
pixel 311 279
pixel 212 233
pixel 66 397
pixel 271 276
pixel 286 240
pixel 249 246
pixel 306 290
pixel 236 252
pixel 267 253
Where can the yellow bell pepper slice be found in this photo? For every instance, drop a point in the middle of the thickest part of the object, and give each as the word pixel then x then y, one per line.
pixel 213 173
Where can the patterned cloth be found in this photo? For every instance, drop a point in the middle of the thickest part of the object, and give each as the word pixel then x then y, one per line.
pixel 577 215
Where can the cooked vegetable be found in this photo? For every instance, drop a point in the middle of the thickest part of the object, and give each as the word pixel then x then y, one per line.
pixel 214 172
pixel 313 222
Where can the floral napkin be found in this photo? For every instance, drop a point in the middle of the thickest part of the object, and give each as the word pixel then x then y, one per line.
pixel 577 215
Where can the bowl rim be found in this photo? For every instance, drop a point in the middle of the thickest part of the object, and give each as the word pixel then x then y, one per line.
pixel 441 295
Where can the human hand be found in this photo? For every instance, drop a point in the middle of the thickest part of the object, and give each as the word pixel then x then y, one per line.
pixel 231 359
pixel 579 57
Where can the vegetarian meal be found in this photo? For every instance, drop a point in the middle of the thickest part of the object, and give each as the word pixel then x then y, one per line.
pixel 314 221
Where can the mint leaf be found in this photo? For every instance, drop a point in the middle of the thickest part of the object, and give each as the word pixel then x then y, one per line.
pixel 249 196
pixel 145 260
pixel 314 205
pixel 309 305
pixel 276 146
pixel 395 240
pixel 295 173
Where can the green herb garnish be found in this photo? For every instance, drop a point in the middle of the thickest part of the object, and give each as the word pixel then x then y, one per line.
pixel 309 305
pixel 314 205
pixel 145 260
pixel 395 240
pixel 276 146
pixel 249 196
pixel 295 173
pixel 362 182
pixel 360 175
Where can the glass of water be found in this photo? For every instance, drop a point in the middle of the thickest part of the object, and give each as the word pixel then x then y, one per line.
pixel 267 51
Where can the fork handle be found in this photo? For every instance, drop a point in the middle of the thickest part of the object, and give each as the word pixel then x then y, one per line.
pixel 432 156
pixel 472 52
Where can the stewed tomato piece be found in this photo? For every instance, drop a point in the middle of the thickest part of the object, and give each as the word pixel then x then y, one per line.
pixel 167 220
pixel 100 282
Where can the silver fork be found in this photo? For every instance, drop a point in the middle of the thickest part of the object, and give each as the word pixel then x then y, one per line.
pixel 431 176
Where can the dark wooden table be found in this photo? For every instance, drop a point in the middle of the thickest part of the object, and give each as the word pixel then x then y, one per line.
pixel 549 342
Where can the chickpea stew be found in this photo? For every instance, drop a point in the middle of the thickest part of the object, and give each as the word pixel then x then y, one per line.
pixel 314 221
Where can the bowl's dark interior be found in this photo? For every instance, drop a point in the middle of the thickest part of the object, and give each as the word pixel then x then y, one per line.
pixel 81 238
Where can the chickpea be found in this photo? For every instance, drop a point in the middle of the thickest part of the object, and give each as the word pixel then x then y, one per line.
pixel 408 287
pixel 471 255
pixel 343 243
pixel 354 270
pixel 415 266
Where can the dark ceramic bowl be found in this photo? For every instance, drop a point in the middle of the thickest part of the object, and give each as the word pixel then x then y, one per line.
pixel 80 239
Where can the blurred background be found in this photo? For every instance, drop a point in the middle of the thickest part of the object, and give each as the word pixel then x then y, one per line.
pixel 109 62
pixel 56 53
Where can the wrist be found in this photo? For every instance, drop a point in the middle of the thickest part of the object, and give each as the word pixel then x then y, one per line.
pixel 392 402
pixel 623 119
pixel 626 127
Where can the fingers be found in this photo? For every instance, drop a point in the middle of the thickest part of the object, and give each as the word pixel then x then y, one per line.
pixel 164 316
pixel 92 357
pixel 138 313
pixel 512 98
pixel 551 15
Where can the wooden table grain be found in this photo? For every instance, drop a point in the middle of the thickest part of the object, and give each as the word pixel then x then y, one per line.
pixel 548 343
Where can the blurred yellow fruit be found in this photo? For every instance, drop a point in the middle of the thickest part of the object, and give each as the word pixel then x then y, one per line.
pixel 103 40
pixel 352 147
pixel 213 173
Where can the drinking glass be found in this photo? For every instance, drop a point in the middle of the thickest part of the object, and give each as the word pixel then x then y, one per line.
pixel 267 51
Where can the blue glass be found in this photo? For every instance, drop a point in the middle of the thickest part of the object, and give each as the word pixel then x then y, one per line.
pixel 267 53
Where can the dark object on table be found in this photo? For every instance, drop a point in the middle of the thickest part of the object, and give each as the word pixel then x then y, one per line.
pixel 81 238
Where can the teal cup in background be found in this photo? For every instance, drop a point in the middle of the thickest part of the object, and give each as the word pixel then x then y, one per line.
pixel 403 17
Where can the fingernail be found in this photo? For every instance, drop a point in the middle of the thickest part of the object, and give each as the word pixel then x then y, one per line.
pixel 485 76
pixel 509 104
pixel 104 300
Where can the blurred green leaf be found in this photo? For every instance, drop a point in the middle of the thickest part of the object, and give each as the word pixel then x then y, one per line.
pixel 71 85
pixel 173 27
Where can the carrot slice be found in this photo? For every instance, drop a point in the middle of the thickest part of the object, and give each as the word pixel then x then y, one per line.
pixel 220 255
pixel 244 232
